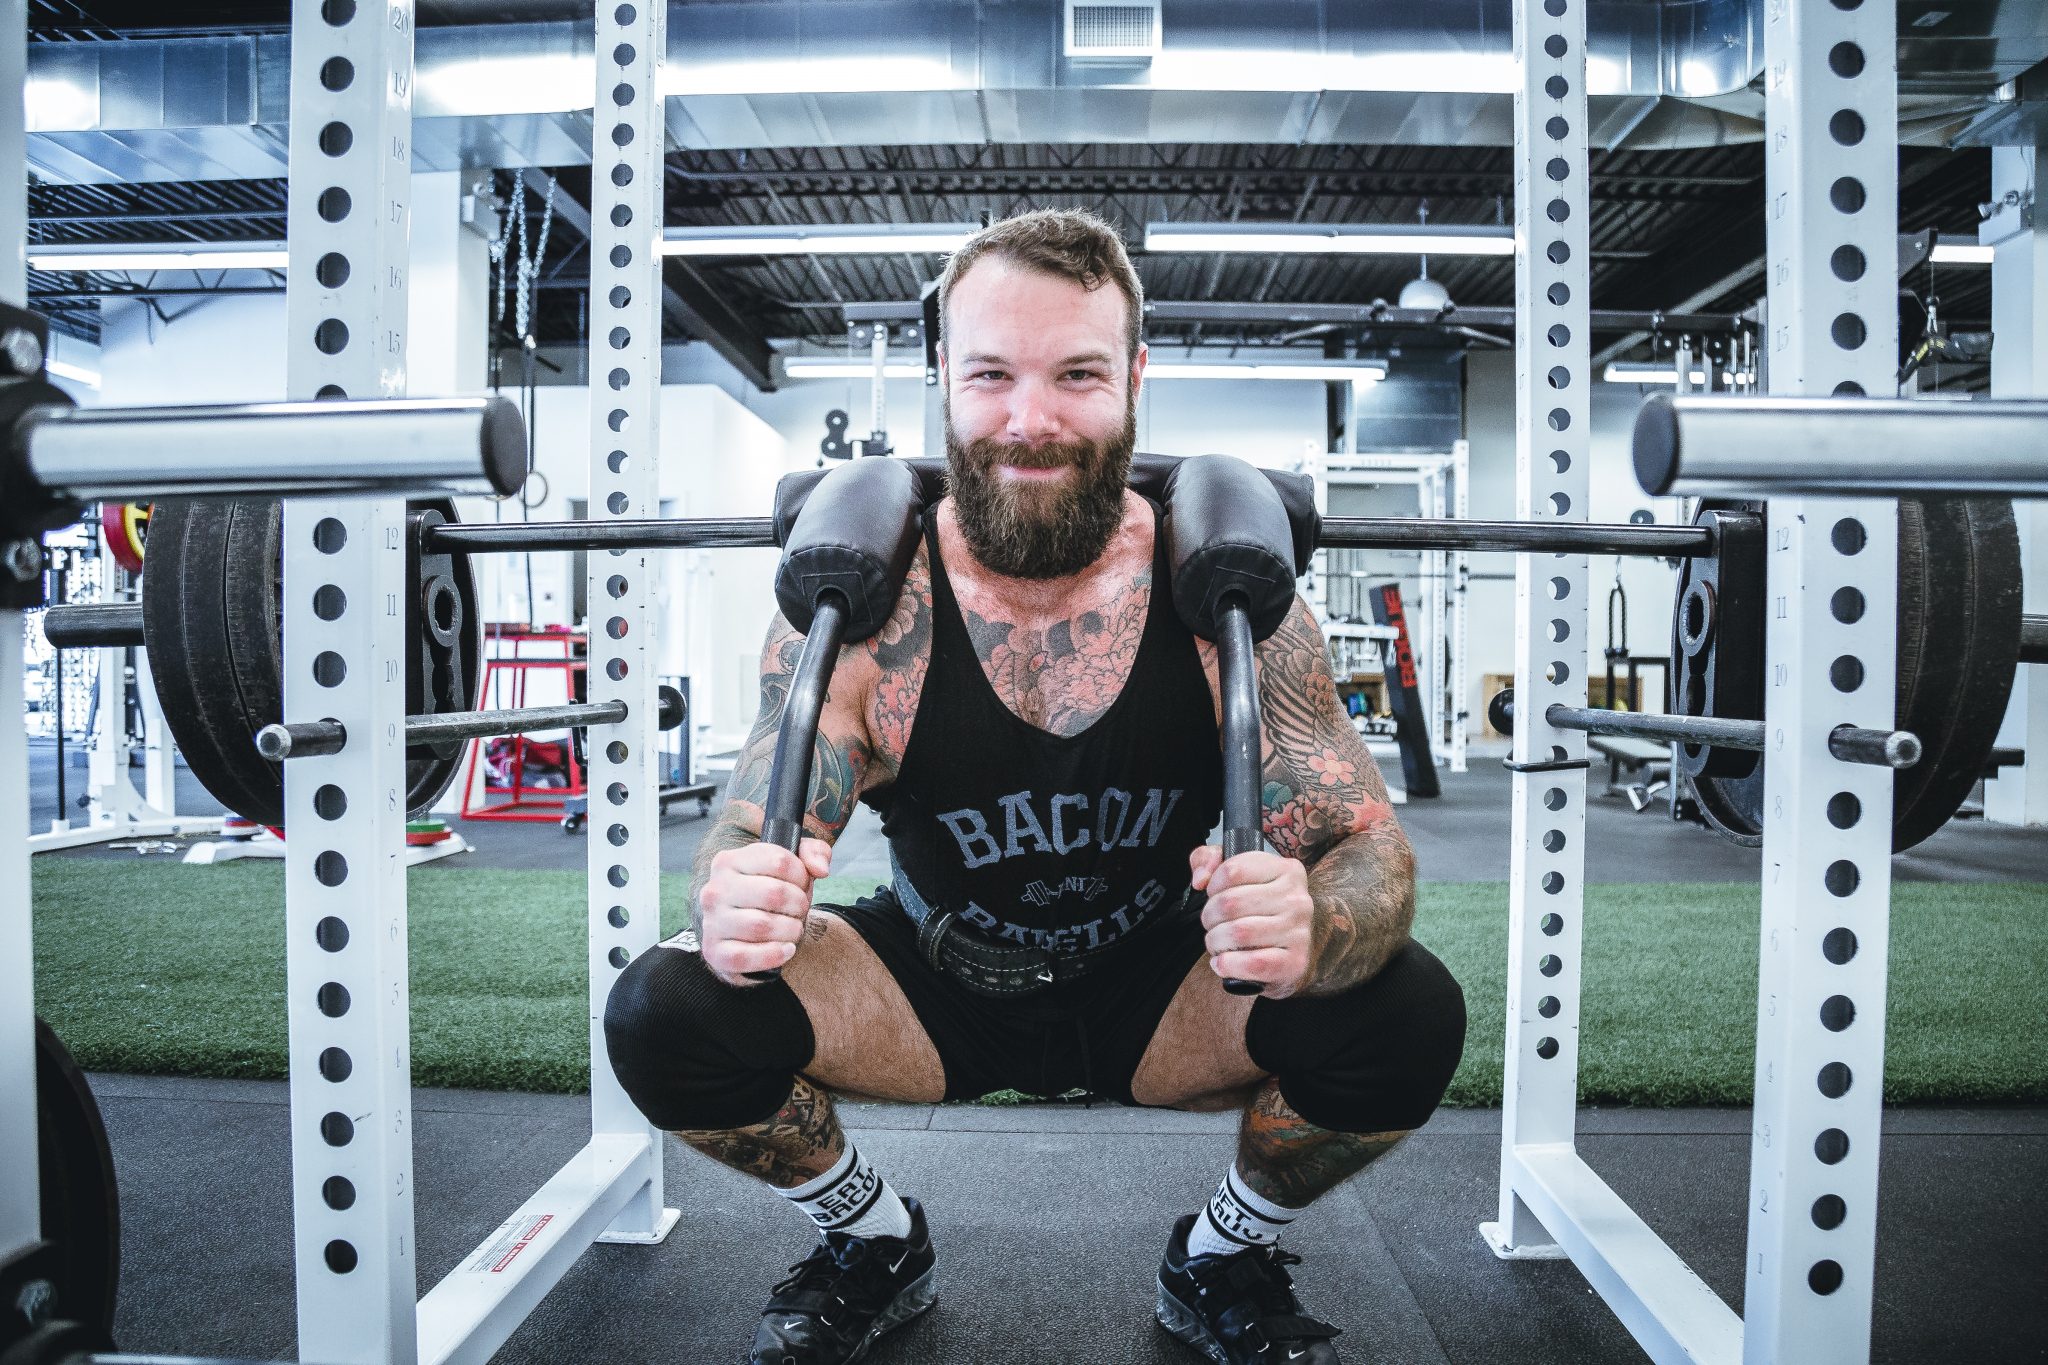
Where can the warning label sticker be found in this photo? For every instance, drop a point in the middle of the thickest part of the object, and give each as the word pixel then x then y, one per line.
pixel 513 1236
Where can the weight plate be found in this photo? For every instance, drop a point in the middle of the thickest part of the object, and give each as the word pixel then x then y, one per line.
pixel 80 1206
pixel 1958 646
pixel 212 612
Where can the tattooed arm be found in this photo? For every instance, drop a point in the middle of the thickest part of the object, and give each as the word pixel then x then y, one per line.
pixel 1326 805
pixel 865 722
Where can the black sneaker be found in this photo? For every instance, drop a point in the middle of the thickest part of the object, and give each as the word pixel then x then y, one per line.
pixel 845 1294
pixel 1239 1309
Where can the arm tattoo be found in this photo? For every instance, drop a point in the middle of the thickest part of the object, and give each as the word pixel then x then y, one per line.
pixel 1326 805
pixel 902 650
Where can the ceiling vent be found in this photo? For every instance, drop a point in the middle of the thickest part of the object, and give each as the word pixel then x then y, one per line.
pixel 1097 30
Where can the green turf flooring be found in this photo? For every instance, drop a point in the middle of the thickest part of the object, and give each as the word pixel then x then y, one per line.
pixel 156 968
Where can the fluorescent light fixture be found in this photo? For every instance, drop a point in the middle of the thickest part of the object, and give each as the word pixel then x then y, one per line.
pixel 481 85
pixel 1650 372
pixel 809 76
pixel 1328 374
pixel 1346 239
pixel 77 374
pixel 139 256
pixel 1962 253
pixel 816 239
pixel 804 368
pixel 56 105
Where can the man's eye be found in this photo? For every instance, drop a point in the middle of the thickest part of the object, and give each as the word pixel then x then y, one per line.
pixel 986 374
pixel 1083 374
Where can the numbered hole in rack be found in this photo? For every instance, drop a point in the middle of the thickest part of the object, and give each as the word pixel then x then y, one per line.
pixel 1559 419
pixel 331 934
pixel 1828 1212
pixel 1834 1080
pixel 336 138
pixel 618 917
pixel 1559 293
pixel 340 1256
pixel 333 999
pixel 616 875
pixel 1844 810
pixel 1847 195
pixel 1848 331
pixel 1548 1006
pixel 616 627
pixel 1557 168
pixel 337 12
pixel 1546 1048
pixel 621 256
pixel 624 15
pixel 620 338
pixel 1553 841
pixel 619 379
pixel 1557 87
pixel 1841 878
pixel 1848 4
pixel 1557 211
pixel 1839 946
pixel 1824 1278
pixel 1560 630
pixel 1550 964
pixel 1558 335
pixel 330 391
pixel 618 957
pixel 1559 377
pixel 1555 128
pixel 337 1130
pixel 1559 671
pixel 1551 924
pixel 622 134
pixel 616 585
pixel 616 419
pixel 615 669
pixel 1557 253
pixel 1554 8
pixel 1847 536
pixel 624 54
pixel 333 204
pixel 1846 673
pixel 1846 606
pixel 617 752
pixel 1837 1012
pixel 620 296
pixel 616 793
pixel 336 1064
pixel 622 175
pixel 616 462
pixel 1848 264
pixel 331 336
pixel 617 835
pixel 1553 882
pixel 1846 60
pixel 337 74
pixel 1560 588
pixel 338 1193
pixel 331 270
pixel 1554 799
pixel 329 668
pixel 622 94
pixel 1848 388
pixel 1831 1146
pixel 1560 461
pixel 1554 46
pixel 1846 127
pixel 330 868
pixel 329 602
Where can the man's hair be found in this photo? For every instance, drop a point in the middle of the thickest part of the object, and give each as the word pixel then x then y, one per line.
pixel 1072 244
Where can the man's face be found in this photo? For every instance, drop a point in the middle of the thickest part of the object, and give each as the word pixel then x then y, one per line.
pixel 1040 417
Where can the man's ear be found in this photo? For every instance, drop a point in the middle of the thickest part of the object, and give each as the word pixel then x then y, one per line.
pixel 1138 370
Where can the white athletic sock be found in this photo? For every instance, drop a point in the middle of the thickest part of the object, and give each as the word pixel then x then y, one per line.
pixel 1237 1217
pixel 852 1198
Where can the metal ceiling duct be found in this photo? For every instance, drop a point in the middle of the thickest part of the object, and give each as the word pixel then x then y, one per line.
pixel 788 73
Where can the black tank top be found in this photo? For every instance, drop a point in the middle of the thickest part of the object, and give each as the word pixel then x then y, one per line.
pixel 1064 843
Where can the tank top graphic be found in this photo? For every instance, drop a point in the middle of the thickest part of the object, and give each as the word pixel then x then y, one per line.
pixel 1067 843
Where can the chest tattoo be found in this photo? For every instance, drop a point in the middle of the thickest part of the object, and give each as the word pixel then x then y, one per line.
pixel 1062 676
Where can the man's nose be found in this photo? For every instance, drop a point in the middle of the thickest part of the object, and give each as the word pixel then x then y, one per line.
pixel 1032 417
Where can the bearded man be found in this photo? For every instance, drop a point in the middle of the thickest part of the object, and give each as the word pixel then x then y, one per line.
pixel 1039 734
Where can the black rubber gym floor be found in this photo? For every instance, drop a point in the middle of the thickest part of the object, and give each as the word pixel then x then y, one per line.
pixel 1050 1221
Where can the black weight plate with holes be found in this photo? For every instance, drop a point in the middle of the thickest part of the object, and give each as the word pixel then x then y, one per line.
pixel 81 1209
pixel 212 610
pixel 1958 645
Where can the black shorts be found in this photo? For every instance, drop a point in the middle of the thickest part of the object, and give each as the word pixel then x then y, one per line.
pixel 1088 1034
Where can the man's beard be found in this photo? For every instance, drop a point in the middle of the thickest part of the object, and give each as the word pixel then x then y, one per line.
pixel 1027 529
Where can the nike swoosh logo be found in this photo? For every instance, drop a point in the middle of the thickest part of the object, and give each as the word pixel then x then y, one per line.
pixel 899 1261
pixel 792 1323
pixel 1296 1354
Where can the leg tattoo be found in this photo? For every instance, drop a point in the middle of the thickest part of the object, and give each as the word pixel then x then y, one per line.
pixel 799 1143
pixel 1290 1161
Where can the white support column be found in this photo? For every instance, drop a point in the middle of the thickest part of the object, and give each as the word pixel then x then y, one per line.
pixel 625 451
pixel 1831 186
pixel 1461 591
pixel 448 285
pixel 2019 369
pixel 20 1216
pixel 1553 376
pixel 344 657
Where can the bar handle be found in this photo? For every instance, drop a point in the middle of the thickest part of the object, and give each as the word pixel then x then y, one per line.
pixel 1239 686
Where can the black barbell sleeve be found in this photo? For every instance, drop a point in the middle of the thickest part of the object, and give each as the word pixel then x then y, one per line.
pixel 306 739
pixel 1849 743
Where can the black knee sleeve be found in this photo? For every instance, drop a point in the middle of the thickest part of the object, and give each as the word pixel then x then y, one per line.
pixel 695 1053
pixel 1375 1059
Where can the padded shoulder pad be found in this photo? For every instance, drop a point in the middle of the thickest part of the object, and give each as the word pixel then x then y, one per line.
pixel 855 532
pixel 1228 532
